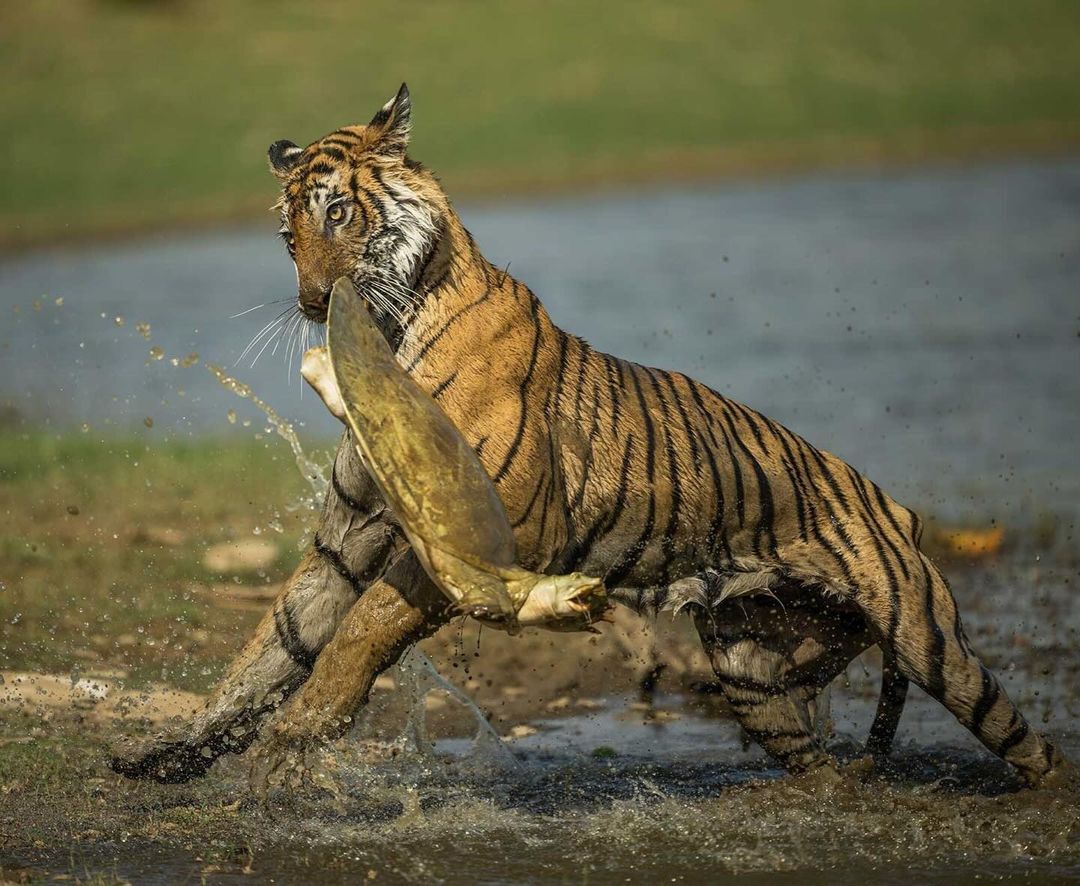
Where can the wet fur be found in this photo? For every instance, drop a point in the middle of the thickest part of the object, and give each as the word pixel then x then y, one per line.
pixel 677 496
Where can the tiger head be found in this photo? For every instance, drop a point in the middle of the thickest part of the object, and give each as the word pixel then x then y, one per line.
pixel 354 205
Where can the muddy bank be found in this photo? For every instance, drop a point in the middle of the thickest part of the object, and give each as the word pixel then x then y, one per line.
pixel 590 784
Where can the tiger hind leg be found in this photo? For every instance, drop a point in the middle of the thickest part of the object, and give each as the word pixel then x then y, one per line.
pixel 772 656
pixel 922 630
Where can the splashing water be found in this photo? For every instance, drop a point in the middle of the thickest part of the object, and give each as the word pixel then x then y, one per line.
pixel 311 471
pixel 415 674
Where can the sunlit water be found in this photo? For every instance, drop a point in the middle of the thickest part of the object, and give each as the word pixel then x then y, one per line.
pixel 923 326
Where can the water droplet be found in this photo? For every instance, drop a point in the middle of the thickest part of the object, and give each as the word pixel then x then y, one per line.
pixel 157 353
pixel 118 320
pixel 59 301
pixel 148 421
pixel 143 329
pixel 231 416
pixel 85 428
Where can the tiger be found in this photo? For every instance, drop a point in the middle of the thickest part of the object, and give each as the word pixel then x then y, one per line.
pixel 789 561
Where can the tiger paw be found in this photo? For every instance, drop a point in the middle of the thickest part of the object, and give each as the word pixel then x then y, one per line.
pixel 279 762
pixel 163 761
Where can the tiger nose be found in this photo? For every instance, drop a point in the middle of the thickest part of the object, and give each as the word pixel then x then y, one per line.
pixel 314 302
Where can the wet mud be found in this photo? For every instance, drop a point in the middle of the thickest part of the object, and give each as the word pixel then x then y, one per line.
pixel 578 779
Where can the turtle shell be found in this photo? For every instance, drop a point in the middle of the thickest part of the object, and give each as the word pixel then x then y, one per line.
pixel 426 470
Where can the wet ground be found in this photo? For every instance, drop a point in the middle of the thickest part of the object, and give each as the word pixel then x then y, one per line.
pixel 924 326
pixel 586 786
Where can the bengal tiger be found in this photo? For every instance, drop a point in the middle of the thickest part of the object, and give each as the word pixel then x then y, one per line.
pixel 674 494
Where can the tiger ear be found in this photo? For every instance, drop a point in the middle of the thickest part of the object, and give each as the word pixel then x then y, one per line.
pixel 393 124
pixel 283 156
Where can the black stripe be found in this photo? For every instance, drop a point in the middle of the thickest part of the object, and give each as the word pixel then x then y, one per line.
pixel 740 491
pixel 667 542
pixel 815 524
pixel 936 677
pixel 873 523
pixel 1015 736
pixel 343 494
pixel 583 362
pixel 577 550
pixel 702 408
pixel 764 523
pixel 523 389
pixel 443 385
pixel 549 495
pixel 290 638
pixel 532 502
pixel 748 417
pixel 373 199
pixel 338 565
pixel 887 511
pixel 827 473
pixel 988 697
pixel 650 439
pixel 586 465
pixel 834 520
pixel 333 153
pixel 748 684
pixel 742 703
pixel 797 491
pixel 615 388
pixel 766 734
pixel 431 342
pixel 630 557
pixel 564 364
pixel 695 454
pixel 716 525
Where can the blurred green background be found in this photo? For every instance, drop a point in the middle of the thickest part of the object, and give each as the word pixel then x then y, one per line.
pixel 123 115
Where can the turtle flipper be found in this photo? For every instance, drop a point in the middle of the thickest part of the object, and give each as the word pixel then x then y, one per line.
pixel 488 604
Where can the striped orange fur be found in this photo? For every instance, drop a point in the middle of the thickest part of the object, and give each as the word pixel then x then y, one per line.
pixel 676 495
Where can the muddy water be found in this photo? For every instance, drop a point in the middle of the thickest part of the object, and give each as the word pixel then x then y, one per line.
pixel 609 789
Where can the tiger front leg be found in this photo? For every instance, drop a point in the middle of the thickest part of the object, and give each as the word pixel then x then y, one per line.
pixel 354 542
pixel 395 612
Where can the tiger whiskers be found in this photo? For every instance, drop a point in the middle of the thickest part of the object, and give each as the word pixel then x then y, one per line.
pixel 268 331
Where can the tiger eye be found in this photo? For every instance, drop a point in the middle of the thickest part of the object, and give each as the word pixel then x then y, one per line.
pixel 336 212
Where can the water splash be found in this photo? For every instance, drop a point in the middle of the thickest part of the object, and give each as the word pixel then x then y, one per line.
pixel 414 675
pixel 417 675
pixel 313 472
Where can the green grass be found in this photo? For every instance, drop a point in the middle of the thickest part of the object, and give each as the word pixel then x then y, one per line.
pixel 124 114
pixel 102 544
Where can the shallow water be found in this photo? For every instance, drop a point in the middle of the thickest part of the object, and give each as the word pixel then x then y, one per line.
pixel 922 325
pixel 610 788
